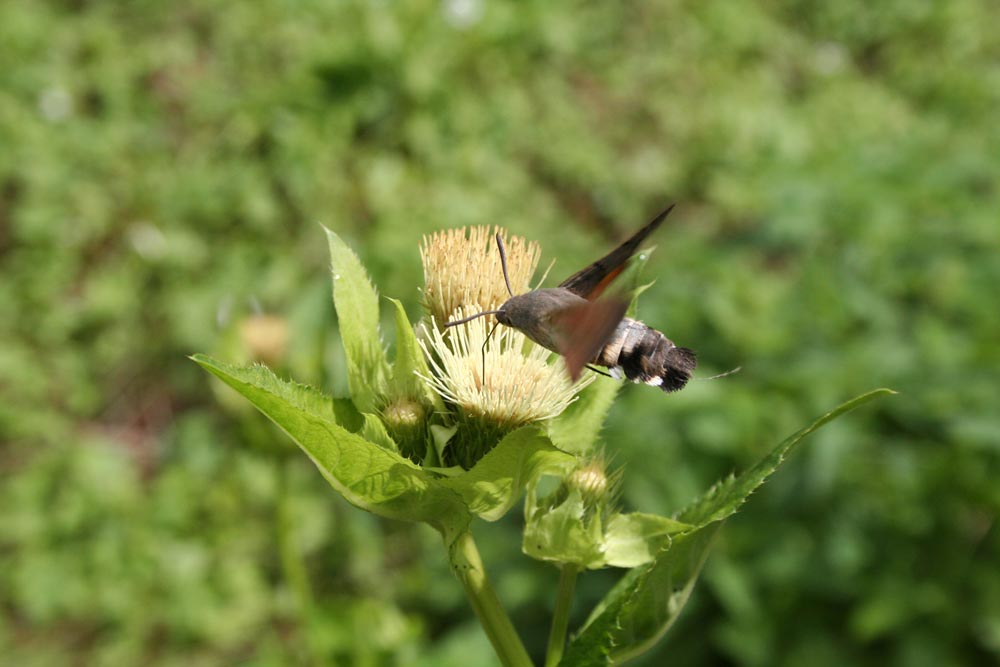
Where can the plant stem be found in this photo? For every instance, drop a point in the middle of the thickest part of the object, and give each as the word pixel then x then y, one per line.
pixel 560 618
pixel 468 567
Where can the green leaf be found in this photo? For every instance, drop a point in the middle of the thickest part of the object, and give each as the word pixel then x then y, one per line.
pixel 373 430
pixel 347 415
pixel 450 471
pixel 356 302
pixel 577 428
pixel 566 533
pixel 635 539
pixel 498 479
pixel 410 362
pixel 563 533
pixel 440 435
pixel 645 603
pixel 367 475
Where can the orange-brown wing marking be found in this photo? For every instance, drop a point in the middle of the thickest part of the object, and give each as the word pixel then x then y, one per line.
pixel 594 279
pixel 582 331
pixel 603 285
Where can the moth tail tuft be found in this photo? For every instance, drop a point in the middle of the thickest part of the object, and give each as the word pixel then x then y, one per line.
pixel 678 366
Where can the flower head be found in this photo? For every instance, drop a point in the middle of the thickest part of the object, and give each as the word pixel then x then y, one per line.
pixel 513 383
pixel 462 267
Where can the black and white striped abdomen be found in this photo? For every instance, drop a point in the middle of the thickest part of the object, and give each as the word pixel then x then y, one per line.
pixel 643 354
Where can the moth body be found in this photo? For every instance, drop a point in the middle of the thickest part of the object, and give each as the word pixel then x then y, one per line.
pixel 640 353
pixel 573 321
pixel 633 350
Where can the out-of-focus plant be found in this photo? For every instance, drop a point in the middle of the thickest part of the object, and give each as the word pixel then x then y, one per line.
pixel 457 426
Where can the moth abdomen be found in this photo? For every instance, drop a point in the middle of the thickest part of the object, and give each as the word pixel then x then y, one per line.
pixel 643 354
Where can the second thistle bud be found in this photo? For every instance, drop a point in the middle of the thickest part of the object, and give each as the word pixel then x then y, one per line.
pixel 570 524
pixel 596 486
pixel 591 480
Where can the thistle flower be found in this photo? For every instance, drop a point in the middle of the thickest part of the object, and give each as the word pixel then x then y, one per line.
pixel 518 387
pixel 462 267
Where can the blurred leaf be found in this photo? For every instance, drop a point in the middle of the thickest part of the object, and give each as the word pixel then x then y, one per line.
pixel 440 435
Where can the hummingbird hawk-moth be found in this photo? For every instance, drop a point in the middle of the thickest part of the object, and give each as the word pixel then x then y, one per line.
pixel 570 319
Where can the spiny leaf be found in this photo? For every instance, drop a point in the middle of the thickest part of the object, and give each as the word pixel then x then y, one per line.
pixel 356 302
pixel 366 474
pixel 410 362
pixel 643 605
pixel 373 430
pixel 564 533
pixel 646 602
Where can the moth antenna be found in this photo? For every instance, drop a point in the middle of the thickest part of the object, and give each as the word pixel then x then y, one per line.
pixel 471 317
pixel 546 274
pixel 733 371
pixel 488 336
pixel 503 263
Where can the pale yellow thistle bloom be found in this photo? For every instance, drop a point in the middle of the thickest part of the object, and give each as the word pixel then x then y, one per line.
pixel 462 267
pixel 522 383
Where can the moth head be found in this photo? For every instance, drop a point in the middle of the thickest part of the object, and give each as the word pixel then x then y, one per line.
pixel 503 315
pixel 521 311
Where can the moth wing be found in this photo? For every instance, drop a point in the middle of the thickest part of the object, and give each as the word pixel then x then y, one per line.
pixel 583 330
pixel 591 282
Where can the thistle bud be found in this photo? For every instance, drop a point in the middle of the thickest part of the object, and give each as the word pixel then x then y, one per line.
pixel 405 421
pixel 591 480
pixel 404 413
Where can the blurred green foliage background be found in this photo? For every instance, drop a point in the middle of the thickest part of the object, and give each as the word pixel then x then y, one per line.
pixel 163 168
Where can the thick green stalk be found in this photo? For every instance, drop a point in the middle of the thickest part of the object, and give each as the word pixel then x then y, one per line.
pixel 468 567
pixel 560 618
